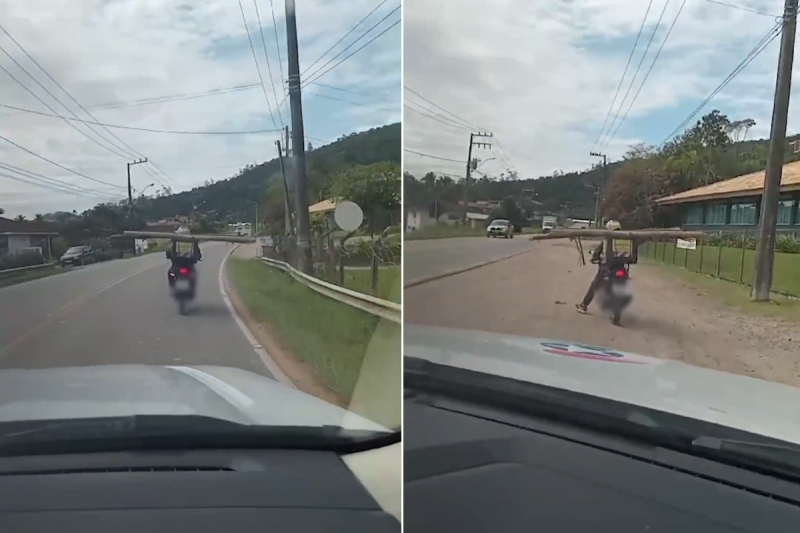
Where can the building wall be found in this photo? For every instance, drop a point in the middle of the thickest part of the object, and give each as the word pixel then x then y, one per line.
pixel 417 218
pixel 17 242
pixel 691 222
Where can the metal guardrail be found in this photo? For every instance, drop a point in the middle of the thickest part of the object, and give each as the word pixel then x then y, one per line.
pixel 13 271
pixel 365 302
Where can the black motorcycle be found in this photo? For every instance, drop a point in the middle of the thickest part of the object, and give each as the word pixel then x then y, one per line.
pixel 615 296
pixel 182 278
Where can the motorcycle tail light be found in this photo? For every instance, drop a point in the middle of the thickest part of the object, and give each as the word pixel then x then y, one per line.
pixel 183 271
pixel 620 273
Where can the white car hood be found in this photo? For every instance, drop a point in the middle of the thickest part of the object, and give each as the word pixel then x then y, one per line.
pixel 127 390
pixel 741 402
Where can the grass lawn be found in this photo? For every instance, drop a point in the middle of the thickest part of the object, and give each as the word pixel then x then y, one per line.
pixel 785 277
pixel 443 231
pixel 330 336
pixel 734 295
pixel 28 275
pixel 361 280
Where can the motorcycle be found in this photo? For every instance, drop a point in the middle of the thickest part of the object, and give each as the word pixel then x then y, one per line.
pixel 615 294
pixel 182 282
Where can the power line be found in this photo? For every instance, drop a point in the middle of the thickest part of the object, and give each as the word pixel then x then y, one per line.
pixel 130 148
pixel 269 68
pixel 343 50
pixel 278 46
pixel 48 106
pixel 432 156
pixel 470 124
pixel 134 128
pixel 53 184
pixel 348 101
pixel 622 79
pixel 44 185
pixel 431 117
pixel 432 112
pixel 647 75
pixel 342 38
pixel 757 49
pixel 352 92
pixel 255 59
pixel 172 98
pixel 58 165
pixel 352 54
pixel 638 67
pixel 743 8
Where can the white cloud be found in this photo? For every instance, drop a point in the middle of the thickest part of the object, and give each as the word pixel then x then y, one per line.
pixel 121 50
pixel 542 75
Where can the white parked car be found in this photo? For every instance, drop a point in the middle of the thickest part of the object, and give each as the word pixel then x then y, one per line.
pixel 500 228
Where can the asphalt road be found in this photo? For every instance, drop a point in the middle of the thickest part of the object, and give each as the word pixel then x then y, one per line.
pixel 121 312
pixel 430 257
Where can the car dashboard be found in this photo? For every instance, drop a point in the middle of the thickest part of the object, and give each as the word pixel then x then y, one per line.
pixel 190 491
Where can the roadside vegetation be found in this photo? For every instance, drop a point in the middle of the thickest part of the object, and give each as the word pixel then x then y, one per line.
pixel 331 337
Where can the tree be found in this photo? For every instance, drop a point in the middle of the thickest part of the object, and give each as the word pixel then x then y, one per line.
pixel 375 188
pixel 38 217
pixel 2 211
pixel 20 218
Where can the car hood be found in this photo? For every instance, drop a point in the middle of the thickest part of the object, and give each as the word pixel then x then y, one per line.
pixel 741 402
pixel 126 390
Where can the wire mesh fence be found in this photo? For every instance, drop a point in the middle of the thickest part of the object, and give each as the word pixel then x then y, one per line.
pixel 731 256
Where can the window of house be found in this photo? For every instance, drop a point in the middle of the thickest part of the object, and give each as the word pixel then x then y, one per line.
pixel 744 214
pixel 785 208
pixel 694 215
pixel 716 214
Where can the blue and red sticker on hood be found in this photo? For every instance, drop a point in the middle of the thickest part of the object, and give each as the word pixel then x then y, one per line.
pixel 583 351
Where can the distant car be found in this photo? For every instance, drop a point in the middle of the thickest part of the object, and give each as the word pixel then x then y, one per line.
pixel 500 228
pixel 77 255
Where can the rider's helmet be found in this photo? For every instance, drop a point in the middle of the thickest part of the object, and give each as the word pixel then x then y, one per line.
pixel 613 225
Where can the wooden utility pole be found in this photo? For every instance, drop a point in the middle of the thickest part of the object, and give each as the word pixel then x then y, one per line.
pixel 470 168
pixel 765 248
pixel 130 189
pixel 599 189
pixel 305 261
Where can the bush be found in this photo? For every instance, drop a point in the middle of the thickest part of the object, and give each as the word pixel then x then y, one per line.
pixel 787 244
pixel 21 260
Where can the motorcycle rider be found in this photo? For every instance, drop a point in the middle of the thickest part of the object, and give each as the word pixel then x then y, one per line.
pixel 597 259
pixel 179 260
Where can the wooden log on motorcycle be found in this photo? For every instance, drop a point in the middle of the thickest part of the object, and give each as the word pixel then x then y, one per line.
pixel 180 237
pixel 639 235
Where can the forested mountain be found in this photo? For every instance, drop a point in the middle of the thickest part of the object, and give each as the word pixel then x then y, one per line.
pixel 233 197
pixel 713 149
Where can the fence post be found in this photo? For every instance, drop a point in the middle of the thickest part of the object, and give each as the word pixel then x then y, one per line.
pixel 719 254
pixel 664 251
pixel 700 267
pixel 741 263
pixel 674 251
pixel 685 257
pixel 374 272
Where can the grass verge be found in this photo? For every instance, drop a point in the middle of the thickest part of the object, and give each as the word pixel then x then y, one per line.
pixel 732 294
pixel 7 280
pixel 329 336
pixel 361 280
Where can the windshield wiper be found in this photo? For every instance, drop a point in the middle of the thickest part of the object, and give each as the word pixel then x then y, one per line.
pixel 173 431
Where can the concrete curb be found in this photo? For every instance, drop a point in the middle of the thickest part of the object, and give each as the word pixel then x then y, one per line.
pixel 461 270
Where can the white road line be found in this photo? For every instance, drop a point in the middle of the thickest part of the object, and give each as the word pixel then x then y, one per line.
pixel 267 359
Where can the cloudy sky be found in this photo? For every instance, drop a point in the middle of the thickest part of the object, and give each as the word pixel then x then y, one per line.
pixel 542 75
pixel 114 55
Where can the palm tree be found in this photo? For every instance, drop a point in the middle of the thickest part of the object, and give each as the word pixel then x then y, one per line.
pixel 38 217
pixel 20 218
pixel 2 211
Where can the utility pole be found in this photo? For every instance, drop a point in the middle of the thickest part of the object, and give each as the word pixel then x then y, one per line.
pixel 305 261
pixel 130 189
pixel 287 219
pixel 470 168
pixel 765 248
pixel 598 190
